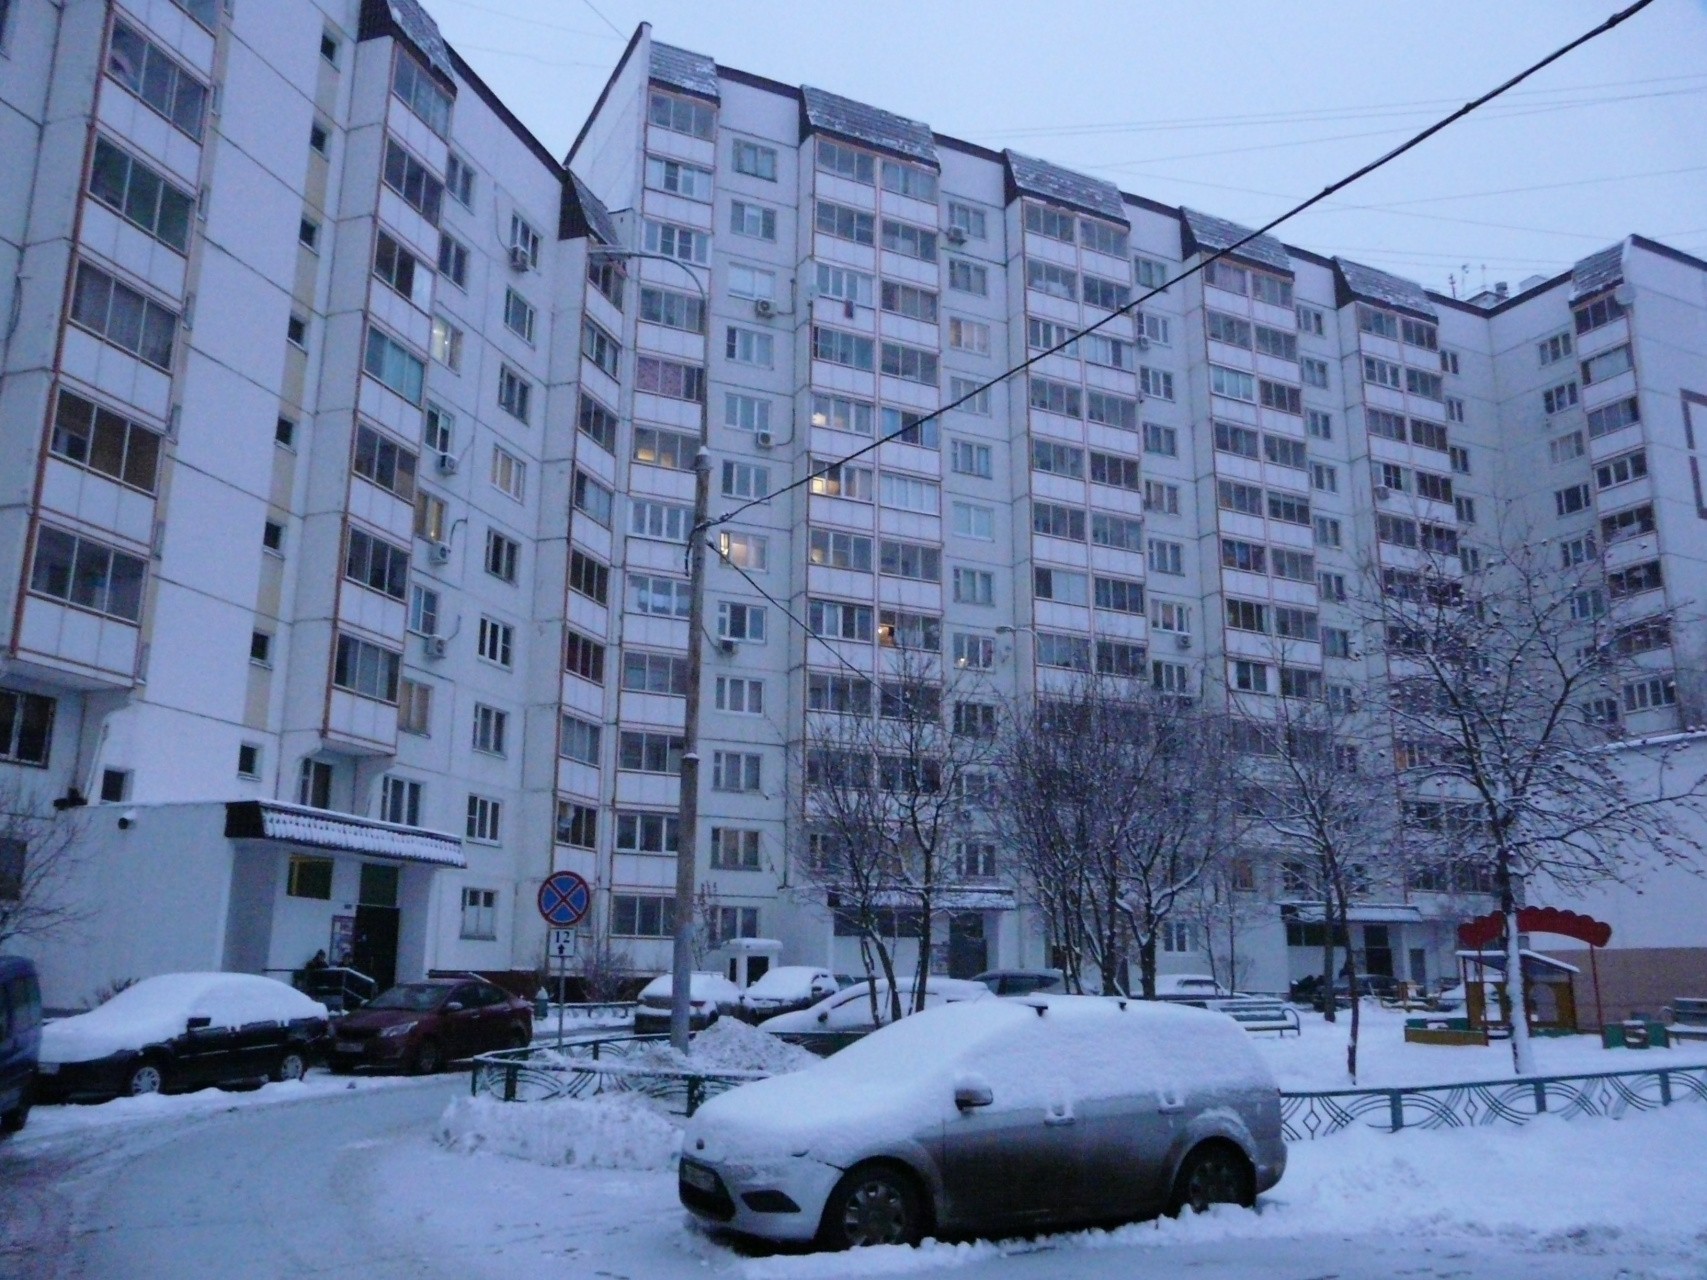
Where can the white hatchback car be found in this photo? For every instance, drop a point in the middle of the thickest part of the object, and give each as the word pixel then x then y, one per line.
pixel 848 1011
pixel 992 1116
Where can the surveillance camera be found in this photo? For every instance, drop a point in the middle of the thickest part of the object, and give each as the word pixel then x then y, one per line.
pixel 127 819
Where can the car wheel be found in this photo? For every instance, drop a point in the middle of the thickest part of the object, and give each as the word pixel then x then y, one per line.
pixel 1214 1173
pixel 145 1077
pixel 517 1039
pixel 14 1119
pixel 428 1057
pixel 290 1066
pixel 873 1204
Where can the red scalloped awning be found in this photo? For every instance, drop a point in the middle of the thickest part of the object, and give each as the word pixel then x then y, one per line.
pixel 1571 924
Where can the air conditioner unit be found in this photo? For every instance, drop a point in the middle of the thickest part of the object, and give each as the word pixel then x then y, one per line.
pixel 1382 493
pixel 520 259
pixel 727 645
pixel 764 439
pixel 764 308
pixel 438 552
pixel 447 464
pixel 1182 641
pixel 955 235
pixel 434 646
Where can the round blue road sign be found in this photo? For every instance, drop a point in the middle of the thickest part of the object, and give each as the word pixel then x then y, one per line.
pixel 564 899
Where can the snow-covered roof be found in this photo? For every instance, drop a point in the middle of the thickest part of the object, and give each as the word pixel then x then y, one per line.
pixel 884 130
pixel 681 69
pixel 422 32
pixel 587 214
pixel 342 832
pixel 1033 177
pixel 1496 960
pixel 1597 272
pixel 1385 289
pixel 1205 233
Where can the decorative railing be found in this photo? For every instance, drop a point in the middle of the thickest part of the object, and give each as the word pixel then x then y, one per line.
pixel 1488 1102
pixel 583 1068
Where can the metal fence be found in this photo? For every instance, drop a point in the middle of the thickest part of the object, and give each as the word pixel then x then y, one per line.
pixel 1488 1102
pixel 582 1068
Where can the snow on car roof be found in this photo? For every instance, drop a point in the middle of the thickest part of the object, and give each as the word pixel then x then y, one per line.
pixel 787 979
pixel 710 985
pixel 157 1009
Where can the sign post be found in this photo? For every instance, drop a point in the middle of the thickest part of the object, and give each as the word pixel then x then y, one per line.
pixel 564 900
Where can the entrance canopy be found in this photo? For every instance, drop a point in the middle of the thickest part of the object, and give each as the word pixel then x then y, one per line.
pixel 303 827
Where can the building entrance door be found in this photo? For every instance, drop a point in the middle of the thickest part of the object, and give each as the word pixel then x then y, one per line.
pixel 968 949
pixel 1377 951
pixel 377 924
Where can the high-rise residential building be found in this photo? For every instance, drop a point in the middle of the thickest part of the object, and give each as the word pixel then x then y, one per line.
pixel 346 472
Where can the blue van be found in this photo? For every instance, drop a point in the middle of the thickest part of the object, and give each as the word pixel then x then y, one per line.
pixel 20 1039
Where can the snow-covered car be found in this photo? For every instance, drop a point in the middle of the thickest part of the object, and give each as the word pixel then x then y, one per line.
pixel 848 1012
pixel 1023 982
pixel 1188 986
pixel 710 995
pixel 20 1040
pixel 178 1031
pixel 992 1116
pixel 786 988
pixel 420 1026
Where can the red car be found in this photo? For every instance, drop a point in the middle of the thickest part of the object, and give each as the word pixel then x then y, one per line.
pixel 420 1026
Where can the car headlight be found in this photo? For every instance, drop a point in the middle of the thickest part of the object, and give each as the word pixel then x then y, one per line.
pixel 399 1029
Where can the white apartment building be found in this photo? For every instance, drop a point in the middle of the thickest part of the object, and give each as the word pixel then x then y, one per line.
pixel 342 565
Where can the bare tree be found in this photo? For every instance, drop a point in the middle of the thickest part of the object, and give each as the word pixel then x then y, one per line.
pixel 1504 691
pixel 41 858
pixel 891 765
pixel 603 968
pixel 1118 802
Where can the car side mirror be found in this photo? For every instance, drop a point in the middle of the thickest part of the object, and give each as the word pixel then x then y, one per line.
pixel 198 1022
pixel 971 1092
pixel 453 1006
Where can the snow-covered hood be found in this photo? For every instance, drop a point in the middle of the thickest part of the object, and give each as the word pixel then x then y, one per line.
pixel 159 1008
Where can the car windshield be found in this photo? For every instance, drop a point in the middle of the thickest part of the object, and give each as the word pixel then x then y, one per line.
pixel 416 997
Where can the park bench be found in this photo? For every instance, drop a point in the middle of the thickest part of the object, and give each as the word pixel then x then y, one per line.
pixel 1451 1031
pixel 1686 1019
pixel 1256 1014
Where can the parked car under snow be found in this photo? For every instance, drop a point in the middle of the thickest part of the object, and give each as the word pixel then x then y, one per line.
pixel 786 988
pixel 847 1014
pixel 178 1031
pixel 710 995
pixel 992 1116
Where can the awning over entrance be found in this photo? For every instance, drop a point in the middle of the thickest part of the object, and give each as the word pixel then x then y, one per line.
pixel 340 832
pixel 966 897
pixel 1371 913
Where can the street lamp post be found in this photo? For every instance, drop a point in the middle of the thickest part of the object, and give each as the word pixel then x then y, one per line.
pixel 687 821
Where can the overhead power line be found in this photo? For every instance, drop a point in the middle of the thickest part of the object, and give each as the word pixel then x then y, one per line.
pixel 1410 144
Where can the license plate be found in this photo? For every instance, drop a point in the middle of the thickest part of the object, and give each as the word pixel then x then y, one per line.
pixel 703 1179
pixel 346 1046
pixel 48 1068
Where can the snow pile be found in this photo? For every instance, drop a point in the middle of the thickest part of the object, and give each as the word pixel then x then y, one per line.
pixel 609 1131
pixel 726 1045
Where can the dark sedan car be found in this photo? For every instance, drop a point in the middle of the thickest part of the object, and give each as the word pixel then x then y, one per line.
pixel 420 1026
pixel 179 1031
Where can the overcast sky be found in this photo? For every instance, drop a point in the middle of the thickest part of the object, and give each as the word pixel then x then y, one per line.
pixel 1239 109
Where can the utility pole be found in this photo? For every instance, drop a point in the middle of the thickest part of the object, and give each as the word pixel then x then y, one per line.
pixel 687 820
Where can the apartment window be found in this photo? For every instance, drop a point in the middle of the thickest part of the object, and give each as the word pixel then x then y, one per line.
pixel 657 833
pixel 485 819
pixel 103 441
pixel 1602 311
pixel 673 241
pixel 1331 586
pixel 1324 477
pixel 1250 557
pixel 751 282
pixel 154 77
pixel 376 564
pixel 1170 677
pixel 898 629
pixel 1151 273
pixel 741 696
pixel 272 536
pixel 1570 500
pixel 1634 580
pixel 745 622
pixel 1327 531
pixel 1465 508
pixel 1250 677
pixel 145 198
pixel 1558 399
pixel 518 315
pixel 746 413
pixel 968 277
pixel 1072 653
pixel 123 317
pixel 749 346
pixel 459 179
pixel 26 727
pixel 1119 595
pixel 394 366
pixel 432 517
pixel 1284 451
pixel 1057 397
pixel 910 241
pixel 509 476
pixel 842 480
pixel 642 916
pixel 752 220
pixel 366 669
pixel 642 751
pixel 678 178
pixel 915 560
pixel 1555 348
pixel 974 521
pixel 754 160
pixel 657 447
pixel 967 219
pixel 1232 383
pixel 1108 295
pixel 1048 278
pixel 1051 520
pixel 309 877
pixel 666 521
pixel 1460 459
pixel 1454 409
pixel 736 771
pixel 1608 364
pixel 503 556
pixel 1632 523
pixel 1161 440
pixel 749 551
pixel 974 652
pixel 319 138
pixel 495 642
pixel 914 364
pixel 1646 695
pixel 453 263
pixel 971 459
pixel 1611 417
pixel 835 620
pixel 88 574
pixel 1114 470
pixel 909 493
pixel 1125 533
pixel 745 480
pixel 974 586
pixel 1230 495
pixel 577 824
pixel 578 739
pixel 1166 557
pixel 1240 441
pixel 839 550
pixel 1155 383
pixel 843 223
pixel 314 789
pixel 413 181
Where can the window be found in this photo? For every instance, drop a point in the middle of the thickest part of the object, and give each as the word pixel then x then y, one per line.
pixel 366 669
pixel 148 72
pixel 908 493
pixel 1327 531
pixel 1554 349
pixel 578 739
pixel 123 316
pixel 752 220
pixel 660 597
pixel 658 833
pixel 1558 399
pixel 678 178
pixel 974 521
pixel 1460 459
pixel 968 277
pixel 1232 383
pixel 485 818
pixel 915 560
pixel 1073 653
pixel 842 480
pixel 1166 557
pixel 394 366
pixel 1240 441
pixel 974 652
pixel 577 824
pixel 296 330
pixel 739 695
pixel 1170 677
pixel 272 536
pixel 657 447
pixel 1609 418
pixel 518 315
pixel 88 574
pixel 1571 500
pixel 971 459
pixel 1250 677
pixel 740 622
pixel 1634 580
pixel 413 181
pixel 1246 615
pixel 843 223
pixel 1230 495
pixel 898 629
pixel 503 556
pixel 145 198
pixel 1331 586
pixel 1249 557
pixel 490 725
pixel 736 771
pixel 915 364
pixel 674 241
pixel 754 160
pixel 840 550
pixel 908 240
pixel 664 673
pixel 1052 520
pixel 838 347
pixel 588 577
pixel 495 642
pixel 583 656
pixel 26 727
pixel 1646 695
pixel 377 564
pixel 975 586
pixel 459 179
pixel 837 621
pixel 1602 311
pixel 642 915
pixel 1119 595
pixel 1324 477
pixel 1621 470
pixel 309 877
pixel 967 219
pixel 1150 272
pixel 749 551
pixel 1632 523
pixel 667 521
pixel 509 477
pixel 1575 551
pixel 642 751
pixel 1466 509
pixel 1277 395
pixel 968 335
pixel 314 784
pixel 1156 384
pixel 1383 373
pixel 905 426
pixel 432 517
pixel 1608 364
pixel 1313 372
pixel 319 139
pixel 103 441
pixel 748 346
